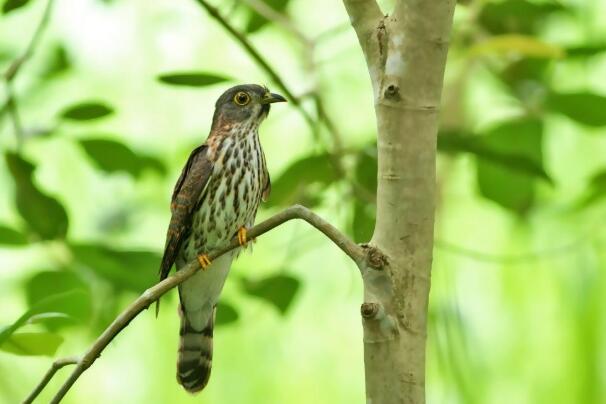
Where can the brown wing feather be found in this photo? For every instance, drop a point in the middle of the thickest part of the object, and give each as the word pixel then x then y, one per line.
pixel 186 195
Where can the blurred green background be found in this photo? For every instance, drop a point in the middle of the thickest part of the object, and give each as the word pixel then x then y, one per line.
pixel 116 94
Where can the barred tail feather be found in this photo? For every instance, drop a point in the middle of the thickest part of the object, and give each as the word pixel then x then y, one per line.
pixel 195 354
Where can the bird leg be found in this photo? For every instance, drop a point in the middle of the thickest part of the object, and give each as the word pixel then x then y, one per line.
pixel 204 261
pixel 242 239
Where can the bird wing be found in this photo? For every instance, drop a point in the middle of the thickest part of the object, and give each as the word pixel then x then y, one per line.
pixel 185 199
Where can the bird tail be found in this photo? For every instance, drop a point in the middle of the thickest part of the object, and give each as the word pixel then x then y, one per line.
pixel 195 353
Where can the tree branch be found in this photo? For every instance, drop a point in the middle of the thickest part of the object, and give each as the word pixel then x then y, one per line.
pixel 10 105
pixel 358 254
pixel 256 55
pixel 405 54
pixel 58 364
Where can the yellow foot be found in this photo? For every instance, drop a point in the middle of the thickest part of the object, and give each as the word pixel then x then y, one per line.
pixel 242 236
pixel 204 261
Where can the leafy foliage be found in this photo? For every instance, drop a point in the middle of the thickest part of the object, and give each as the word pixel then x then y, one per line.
pixel 10 236
pixel 86 111
pixel 44 215
pixel 279 290
pixel 111 156
pixel 256 21
pixel 32 343
pixel 295 183
pixel 11 5
pixel 510 189
pixel 45 284
pixel 226 314
pixel 584 107
pixel 124 270
pixel 192 79
pixel 519 16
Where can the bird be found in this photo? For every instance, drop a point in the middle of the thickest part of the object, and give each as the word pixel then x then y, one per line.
pixel 215 199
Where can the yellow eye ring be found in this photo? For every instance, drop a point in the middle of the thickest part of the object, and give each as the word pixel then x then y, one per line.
pixel 241 98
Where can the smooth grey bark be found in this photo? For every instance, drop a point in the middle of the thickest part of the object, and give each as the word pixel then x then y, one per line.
pixel 405 52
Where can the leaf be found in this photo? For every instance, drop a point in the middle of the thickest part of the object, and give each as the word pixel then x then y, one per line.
pixel 58 62
pixel 126 270
pixel 585 50
pixel 226 314
pixel 10 5
pixel 583 107
pixel 44 215
pixel 522 45
pixel 366 169
pixel 363 223
pixel 111 156
pixel 32 344
pixel 87 110
pixel 596 190
pixel 293 186
pixel 50 304
pixel 516 16
pixel 257 21
pixel 480 146
pixel 10 236
pixel 279 290
pixel 45 284
pixel 510 189
pixel 192 79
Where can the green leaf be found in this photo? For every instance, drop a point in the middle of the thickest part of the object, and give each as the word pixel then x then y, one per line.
pixel 32 344
pixel 366 169
pixel 279 290
pixel 583 107
pixel 226 314
pixel 10 236
pixel 522 45
pixel 582 51
pixel 10 5
pixel 363 223
pixel 516 16
pixel 484 148
pixel 126 270
pixel 293 186
pixel 257 21
pixel 87 110
pixel 45 284
pixel 192 79
pixel 596 190
pixel 111 156
pixel 44 215
pixel 508 188
pixel 57 63
pixel 50 304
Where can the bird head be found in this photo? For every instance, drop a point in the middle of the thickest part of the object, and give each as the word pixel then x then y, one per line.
pixel 248 103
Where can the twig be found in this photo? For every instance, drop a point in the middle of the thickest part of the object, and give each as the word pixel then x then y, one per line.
pixel 256 55
pixel 354 251
pixel 270 14
pixel 58 364
pixel 10 105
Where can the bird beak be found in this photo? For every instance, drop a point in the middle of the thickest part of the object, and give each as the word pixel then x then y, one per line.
pixel 270 98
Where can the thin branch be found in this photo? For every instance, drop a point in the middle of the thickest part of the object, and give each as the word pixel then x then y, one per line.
pixel 10 105
pixel 365 16
pixel 270 14
pixel 355 252
pixel 58 364
pixel 256 55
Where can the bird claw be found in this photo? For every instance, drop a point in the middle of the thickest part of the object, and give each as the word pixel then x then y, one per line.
pixel 204 261
pixel 242 236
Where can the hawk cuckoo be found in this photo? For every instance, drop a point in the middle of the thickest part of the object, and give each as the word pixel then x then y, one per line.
pixel 215 198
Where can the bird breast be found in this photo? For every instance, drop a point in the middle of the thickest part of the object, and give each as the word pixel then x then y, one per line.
pixel 232 195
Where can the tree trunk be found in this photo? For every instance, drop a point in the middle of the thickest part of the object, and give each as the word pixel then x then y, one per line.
pixel 406 55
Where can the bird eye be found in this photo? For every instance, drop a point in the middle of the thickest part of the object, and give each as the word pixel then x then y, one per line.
pixel 241 98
